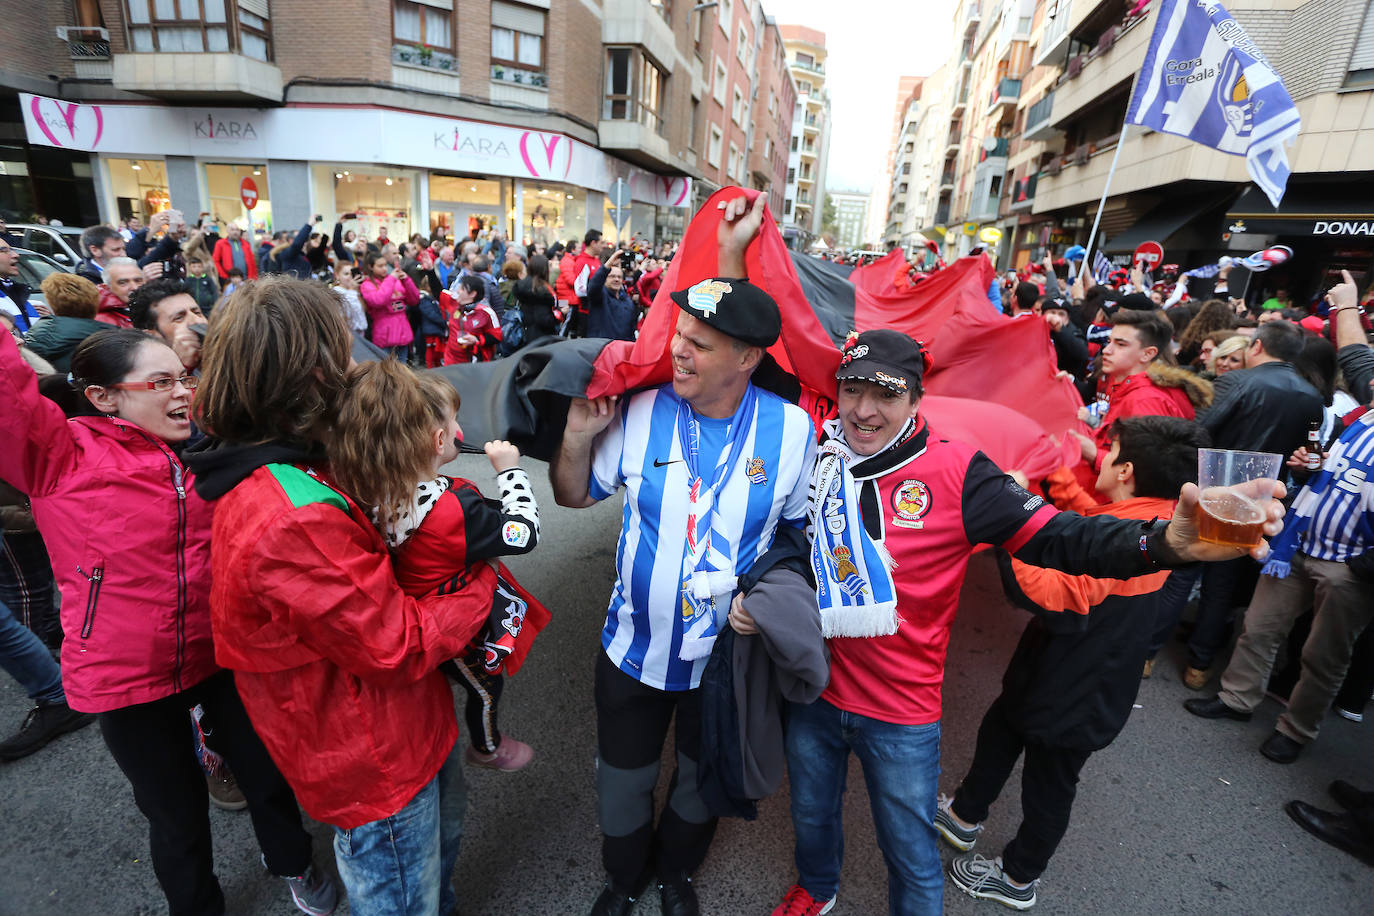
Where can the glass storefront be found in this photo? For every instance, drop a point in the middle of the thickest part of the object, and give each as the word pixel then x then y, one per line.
pixel 228 185
pixel 139 187
pixel 640 227
pixel 373 198
pixel 466 208
pixel 551 212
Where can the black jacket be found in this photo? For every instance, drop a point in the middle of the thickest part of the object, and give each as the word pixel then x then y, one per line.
pixel 1073 679
pixel 536 309
pixel 1265 409
pixel 1071 350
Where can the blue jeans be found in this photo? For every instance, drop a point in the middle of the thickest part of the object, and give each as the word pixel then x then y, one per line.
pixel 901 766
pixel 28 661
pixel 402 865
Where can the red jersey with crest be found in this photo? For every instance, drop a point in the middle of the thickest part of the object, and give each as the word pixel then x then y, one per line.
pixel 931 509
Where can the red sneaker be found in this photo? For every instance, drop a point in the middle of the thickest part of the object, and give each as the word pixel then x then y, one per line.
pixel 797 902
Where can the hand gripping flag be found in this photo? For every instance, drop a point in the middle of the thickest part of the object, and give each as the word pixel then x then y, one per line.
pixel 1205 79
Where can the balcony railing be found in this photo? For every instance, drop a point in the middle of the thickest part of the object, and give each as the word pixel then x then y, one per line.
pixel 1106 42
pixel 999 149
pixel 1038 118
pixel 518 75
pixel 1006 90
pixel 942 214
pixel 947 177
pixel 810 68
pixel 420 56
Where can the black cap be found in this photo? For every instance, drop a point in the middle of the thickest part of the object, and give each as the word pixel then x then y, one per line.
pixel 884 357
pixel 734 307
pixel 1055 302
pixel 1137 301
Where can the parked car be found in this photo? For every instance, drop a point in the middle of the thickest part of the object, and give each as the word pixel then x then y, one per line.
pixel 33 268
pixel 60 243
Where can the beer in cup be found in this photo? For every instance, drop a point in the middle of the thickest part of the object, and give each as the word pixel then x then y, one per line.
pixel 1234 488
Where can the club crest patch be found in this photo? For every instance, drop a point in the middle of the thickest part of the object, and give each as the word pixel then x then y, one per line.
pixel 515 534
pixel 755 471
pixel 706 295
pixel 910 503
pixel 853 353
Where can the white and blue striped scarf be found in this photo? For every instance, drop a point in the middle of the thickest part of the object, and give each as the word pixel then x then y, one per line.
pixel 854 586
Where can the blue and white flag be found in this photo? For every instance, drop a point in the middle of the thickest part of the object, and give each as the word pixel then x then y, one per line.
pixel 1102 268
pixel 1205 79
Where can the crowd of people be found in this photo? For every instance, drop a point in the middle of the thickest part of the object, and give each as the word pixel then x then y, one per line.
pixel 268 603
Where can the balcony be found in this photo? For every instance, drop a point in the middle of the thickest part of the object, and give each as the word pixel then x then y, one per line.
pixel 1004 98
pixel 809 68
pixel 1054 37
pixel 1106 70
pixel 997 149
pixel 942 213
pixel 1038 123
pixel 637 141
pixel 947 180
pixel 1023 193
pixel 189 76
pixel 89 50
pixel 960 103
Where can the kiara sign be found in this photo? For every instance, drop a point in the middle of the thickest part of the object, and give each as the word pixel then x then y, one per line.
pixel 363 135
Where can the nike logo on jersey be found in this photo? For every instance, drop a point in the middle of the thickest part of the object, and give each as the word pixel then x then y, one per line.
pixel 664 464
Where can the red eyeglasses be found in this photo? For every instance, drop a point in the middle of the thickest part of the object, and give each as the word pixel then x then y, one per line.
pixel 166 383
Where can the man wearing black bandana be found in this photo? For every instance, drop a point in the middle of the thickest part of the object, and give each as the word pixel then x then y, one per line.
pixel 922 503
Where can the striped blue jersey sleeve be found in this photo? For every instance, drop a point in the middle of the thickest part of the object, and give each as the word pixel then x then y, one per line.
pixel 607 473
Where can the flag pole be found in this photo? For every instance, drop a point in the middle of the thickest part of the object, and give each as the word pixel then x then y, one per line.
pixel 1106 188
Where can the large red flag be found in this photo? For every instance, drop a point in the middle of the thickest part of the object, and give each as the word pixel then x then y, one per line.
pixel 804 349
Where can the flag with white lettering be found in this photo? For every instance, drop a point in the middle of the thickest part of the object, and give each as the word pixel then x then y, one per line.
pixel 1205 79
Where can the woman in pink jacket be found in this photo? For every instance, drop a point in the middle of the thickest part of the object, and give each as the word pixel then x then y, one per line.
pixel 130 546
pixel 386 293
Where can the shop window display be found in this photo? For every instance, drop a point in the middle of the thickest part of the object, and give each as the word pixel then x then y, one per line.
pixel 229 184
pixel 139 186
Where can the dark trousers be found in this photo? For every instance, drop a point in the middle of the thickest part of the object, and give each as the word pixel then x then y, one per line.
pixel 1225 586
pixel 631 725
pixel 1173 598
pixel 1049 782
pixel 483 691
pixel 152 744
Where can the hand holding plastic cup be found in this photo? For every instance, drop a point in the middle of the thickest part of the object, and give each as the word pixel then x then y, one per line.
pixel 1234 488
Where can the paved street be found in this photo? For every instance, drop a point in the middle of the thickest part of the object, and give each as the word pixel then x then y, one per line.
pixel 1179 816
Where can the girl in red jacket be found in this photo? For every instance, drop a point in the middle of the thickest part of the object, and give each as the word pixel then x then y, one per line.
pixel 130 547
pixel 395 430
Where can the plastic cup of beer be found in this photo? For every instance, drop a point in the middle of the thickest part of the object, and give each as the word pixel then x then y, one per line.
pixel 1234 488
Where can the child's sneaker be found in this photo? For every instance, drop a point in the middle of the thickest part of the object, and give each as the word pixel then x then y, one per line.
pixel 510 755
pixel 960 837
pixel 984 879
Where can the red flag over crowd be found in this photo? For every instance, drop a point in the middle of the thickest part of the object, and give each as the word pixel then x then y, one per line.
pixel 993 383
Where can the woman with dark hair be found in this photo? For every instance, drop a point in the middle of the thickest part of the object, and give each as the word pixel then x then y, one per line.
pixel 535 297
pixel 1214 316
pixel 387 291
pixel 1317 364
pixel 131 554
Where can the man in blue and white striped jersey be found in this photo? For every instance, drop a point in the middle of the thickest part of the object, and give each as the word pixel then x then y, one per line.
pixel 711 466
pixel 1324 559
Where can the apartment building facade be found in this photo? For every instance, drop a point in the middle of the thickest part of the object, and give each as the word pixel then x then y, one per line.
pixel 1034 129
pixel 851 218
pixel 429 116
pixel 810 139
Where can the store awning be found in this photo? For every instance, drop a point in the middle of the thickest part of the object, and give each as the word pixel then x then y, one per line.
pixel 1342 208
pixel 1194 217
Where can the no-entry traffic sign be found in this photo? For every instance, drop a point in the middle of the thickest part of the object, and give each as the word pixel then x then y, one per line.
pixel 248 192
pixel 1148 256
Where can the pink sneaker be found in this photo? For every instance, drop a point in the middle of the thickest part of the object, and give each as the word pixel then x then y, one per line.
pixel 510 755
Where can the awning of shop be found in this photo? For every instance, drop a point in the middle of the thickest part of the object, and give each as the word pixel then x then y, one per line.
pixel 1338 208
pixel 1184 220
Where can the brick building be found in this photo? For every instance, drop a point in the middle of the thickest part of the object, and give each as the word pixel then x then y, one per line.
pixel 417 115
